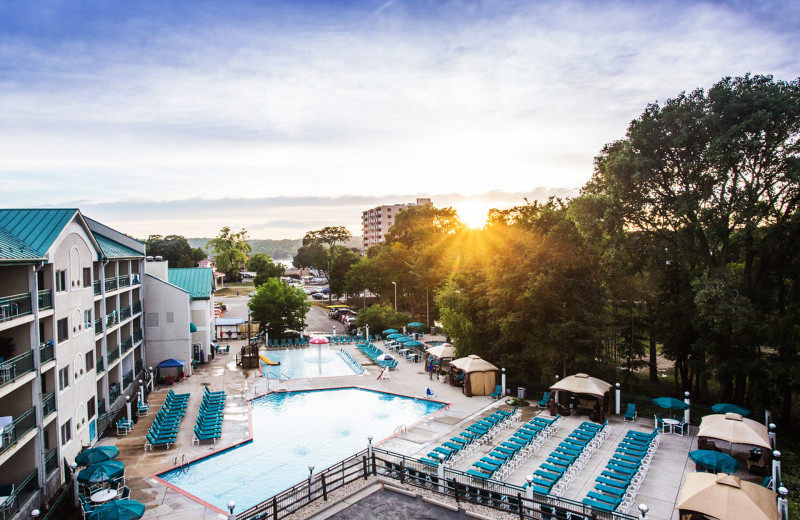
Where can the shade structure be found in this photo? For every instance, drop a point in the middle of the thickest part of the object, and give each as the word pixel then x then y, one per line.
pixel 670 403
pixel 101 472
pixel 416 325
pixel 118 510
pixel 445 350
pixel 167 363
pixel 582 384
pixel 192 327
pixel 727 497
pixel 715 461
pixel 734 428
pixel 730 408
pixel 390 331
pixel 386 357
pixel 319 340
pixel 394 335
pixel 480 376
pixel 95 455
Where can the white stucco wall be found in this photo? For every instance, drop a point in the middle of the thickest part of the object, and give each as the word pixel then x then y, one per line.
pixel 168 340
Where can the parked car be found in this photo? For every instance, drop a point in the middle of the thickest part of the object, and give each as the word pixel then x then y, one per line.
pixel 318 296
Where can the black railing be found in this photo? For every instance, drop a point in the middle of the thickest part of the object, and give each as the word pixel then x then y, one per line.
pixel 127 344
pixel 127 379
pixel 101 406
pixel 18 427
pixel 138 335
pixel 98 326
pixel 63 506
pixel 13 306
pixel 50 462
pixel 48 404
pixel 139 367
pixel 21 493
pixel 113 393
pixel 113 354
pixel 111 284
pixel 137 307
pixel 47 352
pixel 16 367
pixel 99 365
pixel 136 279
pixel 125 313
pixel 45 299
pixel 112 318
pixel 96 287
pixel 124 280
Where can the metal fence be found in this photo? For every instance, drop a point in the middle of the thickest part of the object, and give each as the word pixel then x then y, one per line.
pixel 62 506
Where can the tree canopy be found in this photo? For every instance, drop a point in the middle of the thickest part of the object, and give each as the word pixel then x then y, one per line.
pixel 230 251
pixel 175 249
pixel 279 307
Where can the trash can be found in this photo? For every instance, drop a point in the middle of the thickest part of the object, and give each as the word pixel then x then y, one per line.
pixel 521 392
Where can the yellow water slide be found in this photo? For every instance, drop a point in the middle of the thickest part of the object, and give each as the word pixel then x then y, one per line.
pixel 268 361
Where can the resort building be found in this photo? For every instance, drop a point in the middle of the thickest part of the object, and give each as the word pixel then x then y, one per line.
pixel 71 342
pixel 375 222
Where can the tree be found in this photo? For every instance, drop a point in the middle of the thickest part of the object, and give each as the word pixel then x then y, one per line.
pixel 382 317
pixel 230 250
pixel 264 268
pixel 343 260
pixel 312 255
pixel 330 236
pixel 174 249
pixel 279 307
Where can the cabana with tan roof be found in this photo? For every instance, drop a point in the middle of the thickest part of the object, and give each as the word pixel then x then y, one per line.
pixel 480 376
pixel 736 430
pixel 725 497
pixel 590 394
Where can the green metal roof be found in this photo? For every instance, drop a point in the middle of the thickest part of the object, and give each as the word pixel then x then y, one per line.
pixel 35 228
pixel 197 280
pixel 13 249
pixel 112 249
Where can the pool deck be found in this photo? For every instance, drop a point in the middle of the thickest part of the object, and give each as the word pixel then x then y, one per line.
pixel 659 491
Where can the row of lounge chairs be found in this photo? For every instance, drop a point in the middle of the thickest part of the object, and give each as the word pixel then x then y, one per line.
pixel 478 433
pixel 617 485
pixel 555 475
pixel 351 361
pixel 376 355
pixel 165 426
pixel 284 342
pixel 510 454
pixel 209 421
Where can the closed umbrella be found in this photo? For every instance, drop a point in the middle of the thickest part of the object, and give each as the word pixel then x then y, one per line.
pixel 390 331
pixel 715 461
pixel 732 408
pixel 101 472
pixel 95 455
pixel 118 510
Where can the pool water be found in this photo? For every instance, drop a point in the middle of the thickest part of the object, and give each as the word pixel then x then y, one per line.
pixel 291 431
pixel 314 361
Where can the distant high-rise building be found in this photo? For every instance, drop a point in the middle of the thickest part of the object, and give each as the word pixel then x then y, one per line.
pixel 375 222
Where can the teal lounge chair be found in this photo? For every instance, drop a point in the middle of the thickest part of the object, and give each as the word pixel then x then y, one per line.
pixel 543 402
pixel 631 414
pixel 498 391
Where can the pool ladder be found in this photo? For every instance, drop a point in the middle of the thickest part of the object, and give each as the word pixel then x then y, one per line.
pixel 184 464
pixel 400 430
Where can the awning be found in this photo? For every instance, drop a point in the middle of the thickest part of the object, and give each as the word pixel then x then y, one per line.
pixel 192 327
pixel 167 363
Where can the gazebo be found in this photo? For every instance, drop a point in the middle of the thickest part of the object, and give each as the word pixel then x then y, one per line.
pixel 725 497
pixel 589 393
pixel 480 376
pixel 735 430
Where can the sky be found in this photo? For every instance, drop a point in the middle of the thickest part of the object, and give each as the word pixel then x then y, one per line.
pixel 181 117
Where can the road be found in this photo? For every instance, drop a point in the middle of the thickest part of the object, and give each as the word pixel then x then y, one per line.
pixel 317 319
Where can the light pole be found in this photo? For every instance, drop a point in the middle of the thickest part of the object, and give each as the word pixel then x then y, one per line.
pixel 231 505
pixel 395 296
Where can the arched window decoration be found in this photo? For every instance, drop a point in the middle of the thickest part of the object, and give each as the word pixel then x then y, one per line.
pixel 78 365
pixel 75 268
pixel 77 321
pixel 80 416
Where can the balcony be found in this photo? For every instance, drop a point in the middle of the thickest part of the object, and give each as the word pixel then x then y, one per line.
pixel 124 313
pixel 18 428
pixel 124 281
pixel 96 287
pixel 101 406
pixel 136 279
pixel 48 404
pixel 45 299
pixel 21 494
pixel 137 307
pixel 113 354
pixel 138 335
pixel 112 318
pixel 111 284
pixel 127 379
pixel 13 306
pixel 113 394
pixel 127 344
pixel 99 366
pixel 98 326
pixel 50 462
pixel 47 352
pixel 139 367
pixel 15 367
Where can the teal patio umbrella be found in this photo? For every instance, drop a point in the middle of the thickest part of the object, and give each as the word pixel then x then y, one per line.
pixel 404 339
pixel 715 461
pixel 413 344
pixel 670 403
pixel 390 331
pixel 730 408
pixel 416 325
pixel 95 455
pixel 118 510
pixel 394 335
pixel 102 471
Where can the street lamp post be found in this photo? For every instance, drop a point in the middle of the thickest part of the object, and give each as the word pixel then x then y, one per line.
pixel 395 296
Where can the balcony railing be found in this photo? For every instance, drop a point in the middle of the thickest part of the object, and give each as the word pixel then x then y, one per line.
pixel 47 352
pixel 101 406
pixel 98 326
pixel 18 427
pixel 127 344
pixel 124 313
pixel 139 367
pixel 45 299
pixel 99 366
pixel 48 404
pixel 124 280
pixel 111 284
pixel 113 354
pixel 13 306
pixel 16 367
pixel 138 335
pixel 112 318
pixel 50 462
pixel 113 393
pixel 127 379
pixel 137 307
pixel 96 287
pixel 136 279
pixel 20 495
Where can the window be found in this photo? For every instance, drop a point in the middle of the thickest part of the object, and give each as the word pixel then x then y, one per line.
pixel 63 330
pixel 87 319
pixel 87 276
pixel 63 378
pixel 90 361
pixel 152 319
pixel 90 409
pixel 170 317
pixel 61 280
pixel 66 432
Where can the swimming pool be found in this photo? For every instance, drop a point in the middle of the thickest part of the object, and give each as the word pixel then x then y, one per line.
pixel 313 361
pixel 291 431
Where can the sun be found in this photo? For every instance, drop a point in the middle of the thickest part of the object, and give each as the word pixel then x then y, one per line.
pixel 473 214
